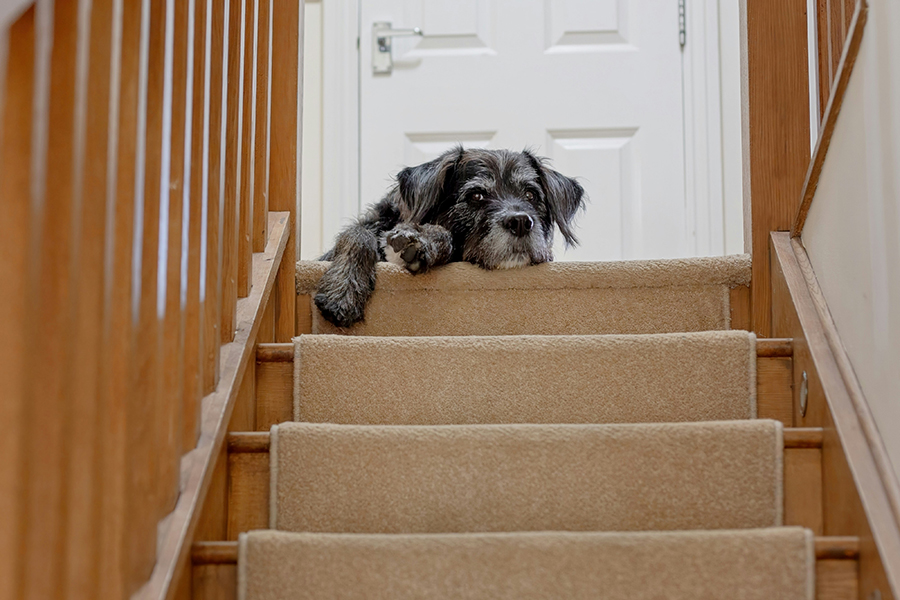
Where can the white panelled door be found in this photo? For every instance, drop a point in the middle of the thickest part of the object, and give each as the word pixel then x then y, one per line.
pixel 596 85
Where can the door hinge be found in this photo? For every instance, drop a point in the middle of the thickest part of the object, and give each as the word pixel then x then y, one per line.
pixel 682 24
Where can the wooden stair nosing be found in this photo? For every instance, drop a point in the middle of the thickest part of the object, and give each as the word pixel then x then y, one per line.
pixel 225 553
pixel 765 348
pixel 258 441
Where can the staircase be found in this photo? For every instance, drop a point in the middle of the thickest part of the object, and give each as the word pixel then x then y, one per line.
pixel 567 430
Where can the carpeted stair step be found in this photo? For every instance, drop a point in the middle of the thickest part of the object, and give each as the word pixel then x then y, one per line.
pixel 656 296
pixel 479 478
pixel 702 376
pixel 692 565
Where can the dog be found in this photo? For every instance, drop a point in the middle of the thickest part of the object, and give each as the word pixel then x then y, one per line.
pixel 493 208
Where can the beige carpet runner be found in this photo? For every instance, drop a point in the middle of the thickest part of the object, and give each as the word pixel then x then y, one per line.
pixel 752 565
pixel 480 478
pixel 570 430
pixel 525 379
pixel 553 298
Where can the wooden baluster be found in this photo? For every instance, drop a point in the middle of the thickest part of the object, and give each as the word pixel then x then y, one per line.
pixel 117 324
pixel 284 160
pixel 195 176
pixel 144 501
pixel 49 292
pixel 232 150
pixel 16 87
pixel 213 292
pixel 172 359
pixel 263 73
pixel 83 499
pixel 248 146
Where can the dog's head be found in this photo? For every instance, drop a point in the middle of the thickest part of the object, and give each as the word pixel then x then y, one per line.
pixel 500 206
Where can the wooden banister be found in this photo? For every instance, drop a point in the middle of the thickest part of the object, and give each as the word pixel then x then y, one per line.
pixel 113 229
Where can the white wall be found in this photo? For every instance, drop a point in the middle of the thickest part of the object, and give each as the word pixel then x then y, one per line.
pixel 311 243
pixel 853 230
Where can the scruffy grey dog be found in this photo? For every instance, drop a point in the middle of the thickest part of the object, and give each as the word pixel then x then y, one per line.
pixel 493 208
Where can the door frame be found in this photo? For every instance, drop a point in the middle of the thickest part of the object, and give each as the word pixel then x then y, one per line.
pixel 712 122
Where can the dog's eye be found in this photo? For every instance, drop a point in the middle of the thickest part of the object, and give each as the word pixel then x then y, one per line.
pixel 529 195
pixel 477 196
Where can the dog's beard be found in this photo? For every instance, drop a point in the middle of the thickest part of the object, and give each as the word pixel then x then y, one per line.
pixel 500 249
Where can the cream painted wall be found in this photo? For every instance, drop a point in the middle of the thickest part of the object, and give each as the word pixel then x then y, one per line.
pixel 852 234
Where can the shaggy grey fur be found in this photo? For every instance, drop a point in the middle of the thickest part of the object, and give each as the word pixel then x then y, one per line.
pixel 494 208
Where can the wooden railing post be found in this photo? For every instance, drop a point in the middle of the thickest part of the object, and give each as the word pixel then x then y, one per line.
pixel 775 95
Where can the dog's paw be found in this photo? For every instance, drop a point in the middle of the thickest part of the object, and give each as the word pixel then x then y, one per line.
pixel 403 247
pixel 342 312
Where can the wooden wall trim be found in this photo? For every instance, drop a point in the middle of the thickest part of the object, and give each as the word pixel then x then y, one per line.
pixel 863 448
pixel 829 120
pixel 197 466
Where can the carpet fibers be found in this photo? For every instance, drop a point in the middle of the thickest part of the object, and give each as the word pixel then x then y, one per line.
pixel 655 296
pixel 525 379
pixel 751 565
pixel 481 478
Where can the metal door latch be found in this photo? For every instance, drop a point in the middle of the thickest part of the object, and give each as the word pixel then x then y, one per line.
pixel 382 60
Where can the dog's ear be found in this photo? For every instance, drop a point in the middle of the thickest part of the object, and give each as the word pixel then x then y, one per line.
pixel 424 187
pixel 564 195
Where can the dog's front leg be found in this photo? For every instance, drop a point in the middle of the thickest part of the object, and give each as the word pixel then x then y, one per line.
pixel 347 284
pixel 418 247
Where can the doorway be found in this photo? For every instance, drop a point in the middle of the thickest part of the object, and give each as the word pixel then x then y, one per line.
pixel 640 99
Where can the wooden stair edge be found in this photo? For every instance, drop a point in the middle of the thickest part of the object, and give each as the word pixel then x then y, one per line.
pixel 258 441
pixel 226 553
pixel 765 348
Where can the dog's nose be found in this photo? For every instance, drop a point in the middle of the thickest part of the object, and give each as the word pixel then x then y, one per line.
pixel 519 225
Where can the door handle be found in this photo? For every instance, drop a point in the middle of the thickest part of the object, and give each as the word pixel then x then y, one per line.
pixel 382 32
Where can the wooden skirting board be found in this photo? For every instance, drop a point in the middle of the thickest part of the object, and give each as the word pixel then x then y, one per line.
pixel 859 490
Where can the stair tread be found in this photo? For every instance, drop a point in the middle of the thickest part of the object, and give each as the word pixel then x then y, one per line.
pixel 761 563
pixel 525 379
pixel 452 478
